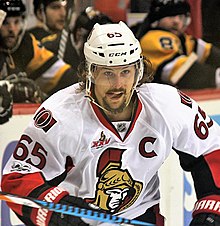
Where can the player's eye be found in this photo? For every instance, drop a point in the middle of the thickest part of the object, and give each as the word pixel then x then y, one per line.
pixel 108 73
pixel 125 71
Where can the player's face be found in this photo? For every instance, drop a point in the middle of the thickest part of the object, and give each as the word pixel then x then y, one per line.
pixel 10 31
pixel 56 15
pixel 175 24
pixel 113 86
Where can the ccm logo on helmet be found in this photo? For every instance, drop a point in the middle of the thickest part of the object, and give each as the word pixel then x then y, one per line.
pixel 117 54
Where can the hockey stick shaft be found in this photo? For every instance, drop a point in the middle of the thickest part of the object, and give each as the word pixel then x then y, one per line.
pixel 69 210
pixel 65 31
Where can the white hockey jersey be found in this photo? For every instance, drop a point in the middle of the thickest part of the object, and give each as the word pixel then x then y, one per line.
pixel 71 143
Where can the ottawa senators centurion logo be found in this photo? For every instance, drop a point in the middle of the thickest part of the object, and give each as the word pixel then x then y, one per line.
pixel 115 190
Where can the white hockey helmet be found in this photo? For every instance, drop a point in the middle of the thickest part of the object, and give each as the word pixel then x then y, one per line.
pixel 112 45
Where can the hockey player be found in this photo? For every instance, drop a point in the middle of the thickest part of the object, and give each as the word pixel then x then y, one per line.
pixel 21 52
pixel 84 24
pixel 76 37
pixel 5 96
pixel 104 139
pixel 179 59
pixel 51 16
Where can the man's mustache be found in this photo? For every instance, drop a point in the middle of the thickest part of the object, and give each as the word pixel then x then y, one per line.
pixel 116 90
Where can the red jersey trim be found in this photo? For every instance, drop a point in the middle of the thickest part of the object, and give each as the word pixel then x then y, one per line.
pixel 103 119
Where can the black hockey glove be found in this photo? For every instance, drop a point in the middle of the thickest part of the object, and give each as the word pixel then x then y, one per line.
pixel 206 219
pixel 5 104
pixel 58 219
pixel 25 90
pixel 206 211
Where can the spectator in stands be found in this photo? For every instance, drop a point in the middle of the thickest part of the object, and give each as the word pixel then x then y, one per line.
pixel 21 54
pixel 71 49
pixel 51 16
pixel 178 59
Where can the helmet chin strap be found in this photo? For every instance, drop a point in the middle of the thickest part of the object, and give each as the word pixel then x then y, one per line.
pixel 89 93
pixel 91 99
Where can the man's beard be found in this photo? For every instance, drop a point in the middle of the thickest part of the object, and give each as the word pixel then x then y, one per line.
pixel 114 110
pixel 6 44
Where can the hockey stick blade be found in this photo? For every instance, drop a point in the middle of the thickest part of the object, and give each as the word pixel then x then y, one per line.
pixel 69 210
